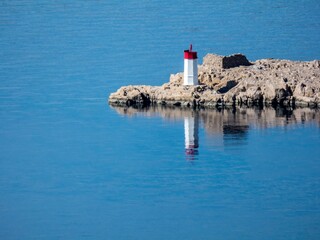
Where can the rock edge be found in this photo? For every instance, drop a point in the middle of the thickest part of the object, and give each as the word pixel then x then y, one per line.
pixel 233 80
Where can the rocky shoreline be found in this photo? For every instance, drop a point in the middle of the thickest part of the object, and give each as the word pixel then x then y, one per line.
pixel 233 81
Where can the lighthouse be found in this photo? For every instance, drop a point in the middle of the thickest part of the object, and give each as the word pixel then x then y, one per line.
pixel 190 76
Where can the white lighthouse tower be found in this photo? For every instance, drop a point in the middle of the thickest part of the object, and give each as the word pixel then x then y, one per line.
pixel 190 76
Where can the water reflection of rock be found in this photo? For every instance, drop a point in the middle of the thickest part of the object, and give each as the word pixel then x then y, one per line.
pixel 237 120
pixel 231 124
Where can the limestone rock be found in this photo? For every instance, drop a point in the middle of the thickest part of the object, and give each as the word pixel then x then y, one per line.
pixel 233 80
pixel 216 61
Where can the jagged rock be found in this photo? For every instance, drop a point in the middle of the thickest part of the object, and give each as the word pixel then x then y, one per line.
pixel 225 86
pixel 235 60
pixel 233 80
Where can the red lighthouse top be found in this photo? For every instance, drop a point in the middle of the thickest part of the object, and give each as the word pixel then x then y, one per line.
pixel 188 54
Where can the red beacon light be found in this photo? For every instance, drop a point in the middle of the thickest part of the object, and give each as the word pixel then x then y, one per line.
pixel 189 54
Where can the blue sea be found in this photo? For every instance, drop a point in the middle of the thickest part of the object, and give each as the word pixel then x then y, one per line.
pixel 72 167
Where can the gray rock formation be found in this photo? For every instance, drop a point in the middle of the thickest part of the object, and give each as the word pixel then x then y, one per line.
pixel 233 80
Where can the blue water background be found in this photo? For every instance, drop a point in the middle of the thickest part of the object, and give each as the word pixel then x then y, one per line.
pixel 71 167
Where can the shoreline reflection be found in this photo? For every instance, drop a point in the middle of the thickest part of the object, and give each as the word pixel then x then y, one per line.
pixel 230 125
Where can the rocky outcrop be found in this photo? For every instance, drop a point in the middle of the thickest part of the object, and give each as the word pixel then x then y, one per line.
pixel 226 62
pixel 233 80
pixel 170 95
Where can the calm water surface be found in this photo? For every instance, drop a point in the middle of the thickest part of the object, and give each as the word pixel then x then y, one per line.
pixel 71 167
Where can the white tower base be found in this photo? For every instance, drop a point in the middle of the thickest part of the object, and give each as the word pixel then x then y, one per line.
pixel 190 76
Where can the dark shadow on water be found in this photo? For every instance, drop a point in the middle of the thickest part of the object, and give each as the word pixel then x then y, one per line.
pixel 235 130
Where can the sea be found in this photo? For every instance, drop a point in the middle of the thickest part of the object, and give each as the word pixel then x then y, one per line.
pixel 73 167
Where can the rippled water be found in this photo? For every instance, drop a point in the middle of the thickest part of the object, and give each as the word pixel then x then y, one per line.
pixel 71 167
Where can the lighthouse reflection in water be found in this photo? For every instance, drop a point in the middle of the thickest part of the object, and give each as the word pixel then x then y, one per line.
pixel 191 135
